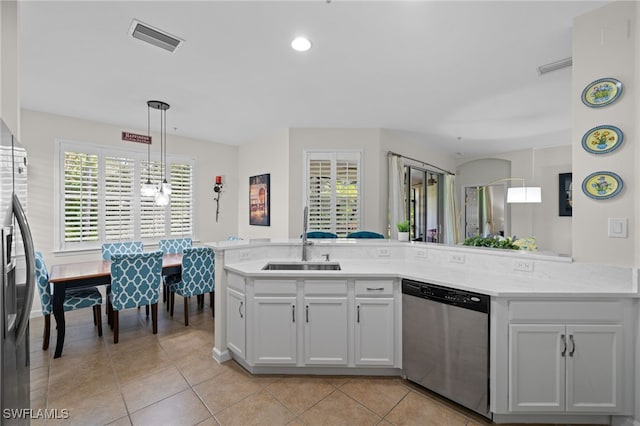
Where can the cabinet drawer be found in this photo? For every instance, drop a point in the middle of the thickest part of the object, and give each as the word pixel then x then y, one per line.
pixel 572 311
pixel 236 282
pixel 325 287
pixel 374 288
pixel 274 287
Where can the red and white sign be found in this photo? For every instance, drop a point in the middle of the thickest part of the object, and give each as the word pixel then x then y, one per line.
pixel 134 137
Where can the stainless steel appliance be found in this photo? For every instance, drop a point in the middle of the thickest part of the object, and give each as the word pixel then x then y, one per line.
pixel 17 281
pixel 445 342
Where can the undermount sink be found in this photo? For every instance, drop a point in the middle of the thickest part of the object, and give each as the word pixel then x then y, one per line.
pixel 325 266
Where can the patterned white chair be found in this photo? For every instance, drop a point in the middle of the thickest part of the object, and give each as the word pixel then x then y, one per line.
pixel 176 245
pixel 197 279
pixel 74 299
pixel 135 281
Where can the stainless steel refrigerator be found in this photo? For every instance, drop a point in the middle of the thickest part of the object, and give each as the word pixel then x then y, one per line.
pixel 17 281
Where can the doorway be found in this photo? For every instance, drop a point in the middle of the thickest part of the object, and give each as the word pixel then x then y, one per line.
pixel 424 203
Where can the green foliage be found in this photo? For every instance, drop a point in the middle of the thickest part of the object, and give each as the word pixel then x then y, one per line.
pixel 493 242
pixel 403 226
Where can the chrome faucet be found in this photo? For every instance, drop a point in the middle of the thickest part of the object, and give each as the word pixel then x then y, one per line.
pixel 305 243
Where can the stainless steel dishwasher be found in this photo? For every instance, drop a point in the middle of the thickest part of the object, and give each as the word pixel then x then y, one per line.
pixel 445 342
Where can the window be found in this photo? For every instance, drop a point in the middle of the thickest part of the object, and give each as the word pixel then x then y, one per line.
pixel 102 202
pixel 333 191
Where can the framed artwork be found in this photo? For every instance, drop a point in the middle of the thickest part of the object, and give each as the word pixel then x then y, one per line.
pixel 259 200
pixel 565 194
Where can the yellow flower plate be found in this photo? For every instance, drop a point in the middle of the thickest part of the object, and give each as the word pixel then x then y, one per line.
pixel 602 139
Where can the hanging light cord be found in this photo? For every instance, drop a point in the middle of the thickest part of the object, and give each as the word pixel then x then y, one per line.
pixel 149 144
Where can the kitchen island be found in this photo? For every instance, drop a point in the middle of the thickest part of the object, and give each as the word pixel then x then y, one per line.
pixel 349 321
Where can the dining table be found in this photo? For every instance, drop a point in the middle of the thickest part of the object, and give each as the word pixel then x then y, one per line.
pixel 86 274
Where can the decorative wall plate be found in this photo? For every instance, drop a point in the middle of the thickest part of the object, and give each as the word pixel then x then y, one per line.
pixel 602 185
pixel 602 139
pixel 601 92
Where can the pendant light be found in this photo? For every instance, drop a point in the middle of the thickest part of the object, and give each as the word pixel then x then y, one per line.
pixel 148 189
pixel 164 189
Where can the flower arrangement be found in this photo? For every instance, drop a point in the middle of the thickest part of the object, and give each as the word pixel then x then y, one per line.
pixel 601 139
pixel 492 242
pixel 601 185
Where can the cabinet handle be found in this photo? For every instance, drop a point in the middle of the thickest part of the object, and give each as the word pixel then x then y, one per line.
pixel 307 312
pixel 573 345
pixel 240 309
pixel 293 313
pixel 564 345
pixel 375 288
pixel 358 314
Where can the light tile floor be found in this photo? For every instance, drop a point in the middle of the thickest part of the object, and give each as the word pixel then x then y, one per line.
pixel 171 379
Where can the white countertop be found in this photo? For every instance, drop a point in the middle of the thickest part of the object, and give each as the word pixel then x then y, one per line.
pixel 511 284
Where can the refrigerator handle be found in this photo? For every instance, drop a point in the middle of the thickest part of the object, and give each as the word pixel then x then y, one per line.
pixel 30 257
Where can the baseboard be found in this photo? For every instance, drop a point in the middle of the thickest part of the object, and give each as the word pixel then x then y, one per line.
pixel 221 356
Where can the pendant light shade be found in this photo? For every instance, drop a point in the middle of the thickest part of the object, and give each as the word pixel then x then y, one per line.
pixel 163 190
pixel 148 189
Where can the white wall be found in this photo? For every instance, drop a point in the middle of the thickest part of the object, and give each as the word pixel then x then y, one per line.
pixel 268 154
pixel 40 130
pixel 604 45
pixel 9 66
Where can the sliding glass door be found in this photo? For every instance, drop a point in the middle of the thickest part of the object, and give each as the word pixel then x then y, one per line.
pixel 424 203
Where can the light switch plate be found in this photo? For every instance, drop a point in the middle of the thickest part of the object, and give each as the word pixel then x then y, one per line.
pixel 617 227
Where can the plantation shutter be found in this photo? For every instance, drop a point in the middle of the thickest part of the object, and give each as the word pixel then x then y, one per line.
pixel 333 191
pixel 118 199
pixel 181 199
pixel 152 216
pixel 80 197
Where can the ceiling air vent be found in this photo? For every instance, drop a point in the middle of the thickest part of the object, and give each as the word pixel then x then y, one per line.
pixel 554 66
pixel 154 36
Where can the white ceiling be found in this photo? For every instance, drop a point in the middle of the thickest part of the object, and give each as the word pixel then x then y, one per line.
pixel 460 74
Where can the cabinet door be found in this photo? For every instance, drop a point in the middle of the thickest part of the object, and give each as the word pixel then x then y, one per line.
pixel 537 367
pixel 274 330
pixel 236 331
pixel 325 331
pixel 594 368
pixel 374 331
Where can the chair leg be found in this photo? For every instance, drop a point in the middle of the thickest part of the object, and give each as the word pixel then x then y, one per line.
pixel 95 321
pixel 186 311
pixel 172 299
pixel 97 313
pixel 47 332
pixel 114 325
pixel 164 291
pixel 212 301
pixel 146 308
pixel 154 317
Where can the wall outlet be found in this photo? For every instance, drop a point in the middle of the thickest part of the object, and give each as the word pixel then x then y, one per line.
pixel 384 252
pixel 421 253
pixel 244 255
pixel 456 258
pixel 523 265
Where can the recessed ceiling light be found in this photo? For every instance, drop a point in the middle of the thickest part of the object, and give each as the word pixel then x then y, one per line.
pixel 301 44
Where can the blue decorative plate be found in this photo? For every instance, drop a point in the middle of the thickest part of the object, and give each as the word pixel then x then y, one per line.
pixel 601 92
pixel 602 139
pixel 602 185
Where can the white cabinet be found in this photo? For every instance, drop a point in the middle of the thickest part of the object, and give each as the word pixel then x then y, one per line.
pixel 274 330
pixel 236 331
pixel 572 368
pixel 325 330
pixel 374 333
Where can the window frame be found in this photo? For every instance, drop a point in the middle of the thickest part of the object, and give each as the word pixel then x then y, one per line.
pixel 139 156
pixel 334 155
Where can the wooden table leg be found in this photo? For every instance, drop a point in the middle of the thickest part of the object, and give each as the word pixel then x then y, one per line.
pixel 59 290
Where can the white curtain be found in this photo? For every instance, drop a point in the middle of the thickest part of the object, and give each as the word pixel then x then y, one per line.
pixel 451 232
pixel 397 207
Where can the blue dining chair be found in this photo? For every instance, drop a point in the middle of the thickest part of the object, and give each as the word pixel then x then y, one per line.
pixel 365 234
pixel 176 245
pixel 128 247
pixel 111 249
pixel 85 297
pixel 135 281
pixel 198 278
pixel 320 234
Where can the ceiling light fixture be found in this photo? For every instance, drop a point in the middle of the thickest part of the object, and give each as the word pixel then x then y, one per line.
pixel 164 188
pixel 554 66
pixel 301 44
pixel 148 189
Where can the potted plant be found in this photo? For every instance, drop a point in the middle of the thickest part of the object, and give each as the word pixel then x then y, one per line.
pixel 403 230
